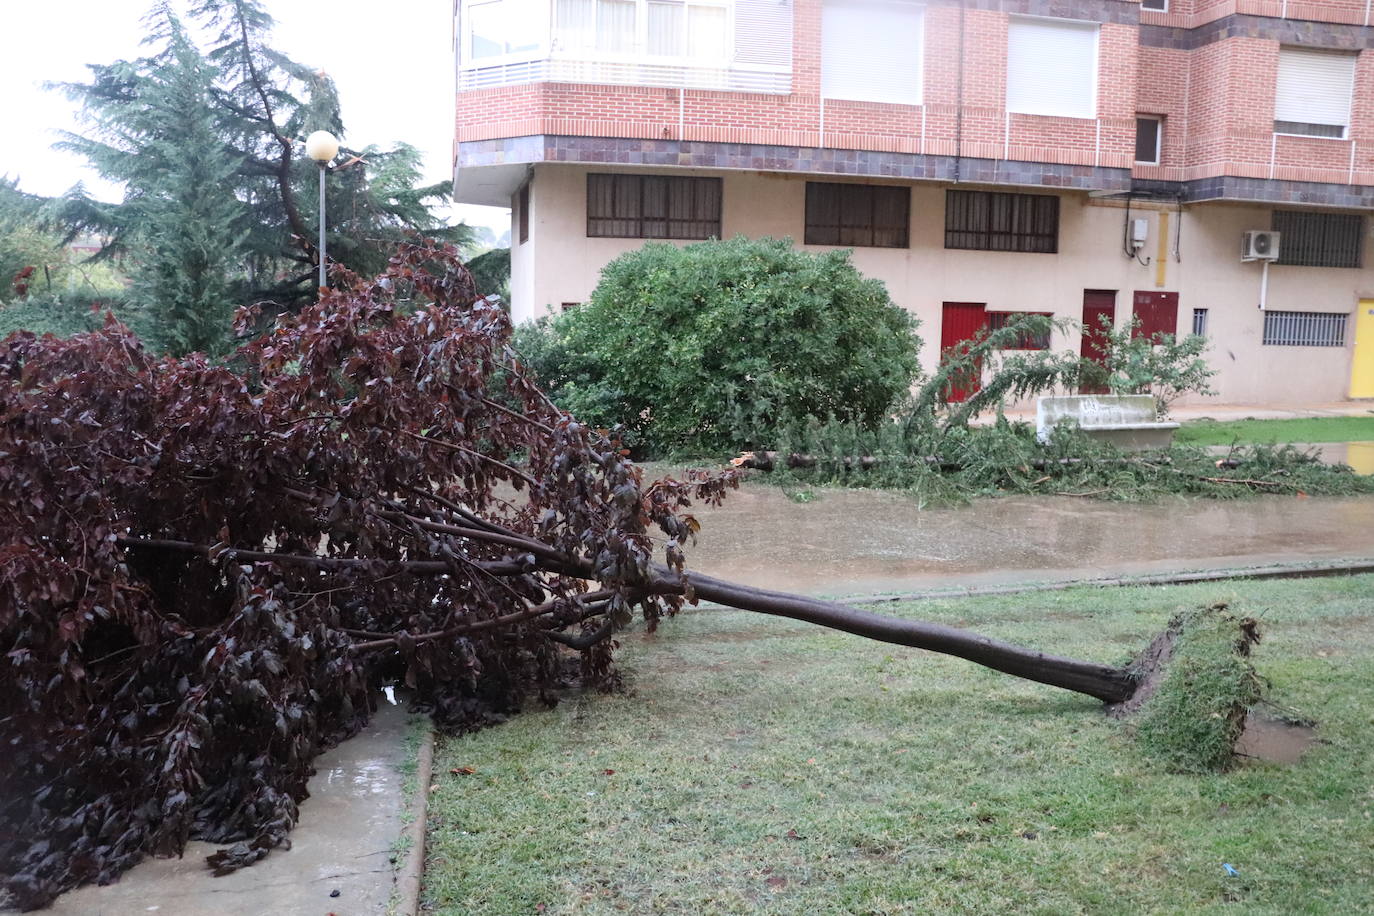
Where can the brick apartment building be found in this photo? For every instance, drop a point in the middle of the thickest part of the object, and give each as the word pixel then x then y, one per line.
pixel 1073 157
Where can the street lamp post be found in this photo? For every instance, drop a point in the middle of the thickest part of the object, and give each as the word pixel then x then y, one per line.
pixel 322 146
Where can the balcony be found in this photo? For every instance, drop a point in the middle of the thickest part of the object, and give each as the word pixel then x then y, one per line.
pixel 723 45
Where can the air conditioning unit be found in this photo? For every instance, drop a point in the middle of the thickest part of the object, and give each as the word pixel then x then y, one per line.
pixel 1258 245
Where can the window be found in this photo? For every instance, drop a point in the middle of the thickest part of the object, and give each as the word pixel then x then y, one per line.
pixel 1303 329
pixel 652 207
pixel 1149 134
pixel 503 28
pixel 1029 339
pixel 871 51
pixel 1156 6
pixel 695 29
pixel 1052 68
pixel 1313 239
pixel 998 221
pixel 1313 92
pixel 522 199
pixel 873 216
pixel 1200 322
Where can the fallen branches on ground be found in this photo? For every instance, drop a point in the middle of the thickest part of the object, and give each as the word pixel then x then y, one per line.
pixel 1008 457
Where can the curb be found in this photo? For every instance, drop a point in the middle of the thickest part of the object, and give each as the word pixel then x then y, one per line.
pixel 408 881
pixel 1314 570
pixel 1276 571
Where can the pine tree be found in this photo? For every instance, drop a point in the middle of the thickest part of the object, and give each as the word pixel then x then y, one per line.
pixel 185 233
pixel 208 146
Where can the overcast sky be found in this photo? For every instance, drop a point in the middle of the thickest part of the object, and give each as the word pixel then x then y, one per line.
pixel 392 61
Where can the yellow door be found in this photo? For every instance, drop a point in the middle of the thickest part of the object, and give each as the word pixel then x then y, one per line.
pixel 1362 370
pixel 1360 457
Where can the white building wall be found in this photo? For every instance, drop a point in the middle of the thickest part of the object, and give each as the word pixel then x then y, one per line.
pixel 524 267
pixel 1208 274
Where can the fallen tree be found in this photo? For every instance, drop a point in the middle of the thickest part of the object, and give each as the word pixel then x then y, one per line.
pixel 209 569
pixel 1009 458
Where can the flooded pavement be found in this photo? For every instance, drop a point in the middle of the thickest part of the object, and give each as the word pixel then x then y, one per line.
pixel 1359 455
pixel 852 542
pixel 342 843
pixel 1274 740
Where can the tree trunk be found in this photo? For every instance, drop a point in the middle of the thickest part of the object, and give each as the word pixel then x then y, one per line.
pixel 1106 683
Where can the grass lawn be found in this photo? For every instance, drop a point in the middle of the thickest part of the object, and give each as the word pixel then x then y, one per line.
pixel 1265 432
pixel 762 765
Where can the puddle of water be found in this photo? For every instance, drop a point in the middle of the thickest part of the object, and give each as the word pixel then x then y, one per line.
pixel 1274 740
pixel 868 541
pixel 1359 455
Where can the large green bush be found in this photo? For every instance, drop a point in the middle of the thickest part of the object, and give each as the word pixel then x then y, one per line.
pixel 716 346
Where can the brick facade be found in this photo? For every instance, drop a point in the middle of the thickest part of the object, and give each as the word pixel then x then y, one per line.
pixel 1207 67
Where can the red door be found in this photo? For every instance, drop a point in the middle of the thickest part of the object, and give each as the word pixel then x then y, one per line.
pixel 1098 304
pixel 961 323
pixel 1158 314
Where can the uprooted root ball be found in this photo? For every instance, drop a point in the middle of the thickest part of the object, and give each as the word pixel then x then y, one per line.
pixel 1197 685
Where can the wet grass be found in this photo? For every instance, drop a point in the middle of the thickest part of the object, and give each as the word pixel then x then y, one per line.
pixel 1204 433
pixel 761 765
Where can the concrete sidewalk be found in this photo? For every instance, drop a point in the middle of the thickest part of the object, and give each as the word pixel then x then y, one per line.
pixel 339 863
pixel 1266 412
pixel 1209 411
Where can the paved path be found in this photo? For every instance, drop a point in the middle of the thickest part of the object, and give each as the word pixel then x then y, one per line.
pixel 343 842
pixel 862 542
pixel 1209 411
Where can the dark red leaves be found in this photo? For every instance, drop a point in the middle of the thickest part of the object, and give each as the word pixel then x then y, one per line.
pixel 208 571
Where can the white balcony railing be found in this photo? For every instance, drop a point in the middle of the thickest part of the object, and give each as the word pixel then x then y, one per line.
pixel 729 45
pixel 562 70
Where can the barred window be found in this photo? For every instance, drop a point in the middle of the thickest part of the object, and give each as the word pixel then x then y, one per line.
pixel 868 215
pixel 1314 239
pixel 999 221
pixel 1200 322
pixel 1029 339
pixel 1304 329
pixel 653 207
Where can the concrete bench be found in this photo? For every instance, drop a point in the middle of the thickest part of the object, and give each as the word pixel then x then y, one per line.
pixel 1127 421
